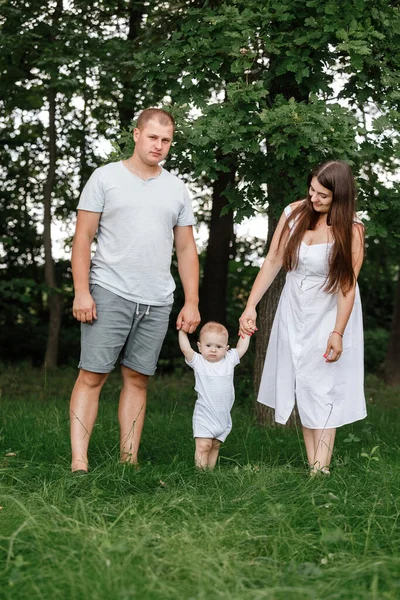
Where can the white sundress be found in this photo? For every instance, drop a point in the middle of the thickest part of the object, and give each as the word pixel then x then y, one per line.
pixel 328 395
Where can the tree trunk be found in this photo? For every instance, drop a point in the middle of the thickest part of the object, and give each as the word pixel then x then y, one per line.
pixel 55 300
pixel 265 318
pixel 215 278
pixel 391 365
pixel 128 103
pixel 82 143
pixel 281 84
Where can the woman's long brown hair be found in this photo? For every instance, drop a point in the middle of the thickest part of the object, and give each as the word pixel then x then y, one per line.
pixel 337 177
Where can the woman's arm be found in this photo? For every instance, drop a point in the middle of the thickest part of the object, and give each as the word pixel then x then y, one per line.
pixel 269 270
pixel 345 303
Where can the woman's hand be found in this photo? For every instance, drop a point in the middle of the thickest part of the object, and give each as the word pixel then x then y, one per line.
pixel 334 347
pixel 247 322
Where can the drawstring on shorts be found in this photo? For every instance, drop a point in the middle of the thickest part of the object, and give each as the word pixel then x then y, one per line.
pixel 147 310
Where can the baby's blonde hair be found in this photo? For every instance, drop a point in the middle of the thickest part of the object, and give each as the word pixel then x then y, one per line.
pixel 216 327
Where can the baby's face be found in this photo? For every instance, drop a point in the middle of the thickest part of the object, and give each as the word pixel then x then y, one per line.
pixel 212 346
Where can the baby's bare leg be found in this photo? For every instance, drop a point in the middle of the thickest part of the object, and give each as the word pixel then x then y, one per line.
pixel 213 454
pixel 203 447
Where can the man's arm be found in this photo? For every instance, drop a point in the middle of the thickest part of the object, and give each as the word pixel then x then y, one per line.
pixel 243 345
pixel 185 346
pixel 188 267
pixel 84 307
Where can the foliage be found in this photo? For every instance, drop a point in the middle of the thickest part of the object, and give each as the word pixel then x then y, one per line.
pixel 264 89
pixel 50 70
pixel 280 86
pixel 375 348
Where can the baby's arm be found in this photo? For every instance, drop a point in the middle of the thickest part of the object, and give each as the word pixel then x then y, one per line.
pixel 242 345
pixel 185 346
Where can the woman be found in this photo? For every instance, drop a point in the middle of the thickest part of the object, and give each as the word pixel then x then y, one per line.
pixel 315 352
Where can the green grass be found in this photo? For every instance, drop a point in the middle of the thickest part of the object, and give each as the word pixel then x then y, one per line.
pixel 255 528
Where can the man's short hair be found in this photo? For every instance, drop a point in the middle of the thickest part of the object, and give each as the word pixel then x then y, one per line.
pixel 159 114
pixel 216 327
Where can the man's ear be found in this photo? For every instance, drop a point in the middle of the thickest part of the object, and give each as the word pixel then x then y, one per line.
pixel 227 348
pixel 136 133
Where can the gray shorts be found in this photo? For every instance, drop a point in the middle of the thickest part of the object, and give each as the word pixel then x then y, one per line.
pixel 134 331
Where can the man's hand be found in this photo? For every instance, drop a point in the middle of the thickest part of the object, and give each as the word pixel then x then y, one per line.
pixel 84 307
pixel 189 318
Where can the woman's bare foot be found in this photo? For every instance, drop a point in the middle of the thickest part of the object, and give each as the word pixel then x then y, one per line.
pixel 79 465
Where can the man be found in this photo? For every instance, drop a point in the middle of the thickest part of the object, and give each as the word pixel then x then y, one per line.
pixel 123 297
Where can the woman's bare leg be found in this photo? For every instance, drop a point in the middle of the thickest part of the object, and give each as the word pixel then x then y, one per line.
pixel 201 457
pixel 324 441
pixel 213 454
pixel 319 446
pixel 309 444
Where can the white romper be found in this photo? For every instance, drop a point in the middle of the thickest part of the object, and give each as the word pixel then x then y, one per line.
pixel 215 395
pixel 328 395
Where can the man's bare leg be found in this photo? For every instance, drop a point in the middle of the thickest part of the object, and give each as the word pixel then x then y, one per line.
pixel 83 412
pixel 213 454
pixel 203 447
pixel 131 413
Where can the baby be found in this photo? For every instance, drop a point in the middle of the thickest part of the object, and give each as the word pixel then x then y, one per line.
pixel 213 369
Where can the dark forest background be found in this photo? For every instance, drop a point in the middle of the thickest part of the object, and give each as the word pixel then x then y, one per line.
pixel 261 93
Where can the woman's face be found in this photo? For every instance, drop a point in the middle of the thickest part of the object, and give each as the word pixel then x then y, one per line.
pixel 320 196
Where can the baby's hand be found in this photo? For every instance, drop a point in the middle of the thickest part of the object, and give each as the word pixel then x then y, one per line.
pixel 243 344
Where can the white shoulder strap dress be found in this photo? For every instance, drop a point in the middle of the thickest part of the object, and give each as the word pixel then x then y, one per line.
pixel 327 394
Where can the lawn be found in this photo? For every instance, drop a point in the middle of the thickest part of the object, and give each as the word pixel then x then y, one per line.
pixel 255 528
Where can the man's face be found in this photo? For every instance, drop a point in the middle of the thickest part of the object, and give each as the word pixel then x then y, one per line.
pixel 152 142
pixel 212 346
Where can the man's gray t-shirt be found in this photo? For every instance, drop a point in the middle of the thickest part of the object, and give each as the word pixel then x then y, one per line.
pixel 135 233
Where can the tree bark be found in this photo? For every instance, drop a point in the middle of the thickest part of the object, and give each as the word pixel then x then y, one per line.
pixel 286 85
pixel 55 300
pixel 391 366
pixel 265 317
pixel 215 278
pixel 128 103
